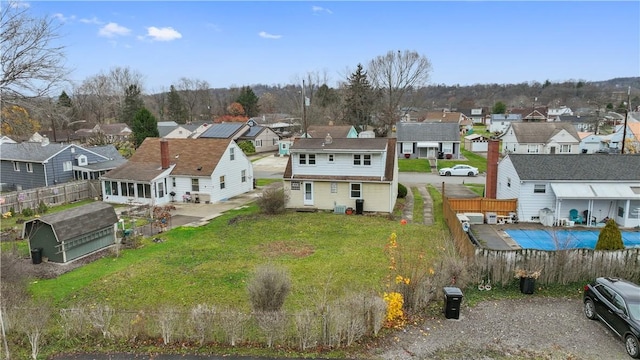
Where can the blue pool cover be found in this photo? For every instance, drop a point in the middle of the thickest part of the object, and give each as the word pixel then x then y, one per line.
pixel 566 239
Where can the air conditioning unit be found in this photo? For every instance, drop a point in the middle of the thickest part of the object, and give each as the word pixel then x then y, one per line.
pixel 492 218
pixel 475 218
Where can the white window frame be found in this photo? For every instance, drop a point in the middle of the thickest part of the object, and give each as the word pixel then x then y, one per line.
pixel 565 148
pixel 351 191
pixel 302 159
pixel 330 158
pixel 533 149
pixel 258 143
pixel 243 175
pixel 407 148
pixel 311 159
pixel 539 189
pixel 16 166
pixel 29 167
pixel 232 154
pixel 334 187
pixel 366 160
pixel 222 182
pixel 67 166
pixel 357 160
pixel 82 160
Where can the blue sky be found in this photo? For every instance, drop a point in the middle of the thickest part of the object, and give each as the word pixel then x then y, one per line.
pixel 268 42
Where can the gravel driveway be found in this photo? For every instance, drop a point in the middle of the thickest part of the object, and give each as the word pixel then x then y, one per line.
pixel 530 328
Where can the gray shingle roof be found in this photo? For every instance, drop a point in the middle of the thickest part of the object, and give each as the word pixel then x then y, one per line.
pixel 108 151
pixel 222 131
pixel 406 131
pixel 81 220
pixel 577 167
pixel 30 151
pixel 339 144
pixel 541 132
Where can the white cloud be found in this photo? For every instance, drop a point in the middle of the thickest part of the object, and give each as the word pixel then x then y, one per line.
pixel 19 4
pixel 163 34
pixel 266 35
pixel 63 18
pixel 320 9
pixel 112 30
pixel 93 20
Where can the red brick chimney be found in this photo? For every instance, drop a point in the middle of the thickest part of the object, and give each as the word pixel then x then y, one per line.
pixel 164 153
pixel 493 156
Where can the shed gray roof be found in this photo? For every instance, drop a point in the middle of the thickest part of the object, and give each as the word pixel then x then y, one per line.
pixel 408 131
pixel 577 167
pixel 80 220
pixel 253 131
pixel 222 131
pixel 541 132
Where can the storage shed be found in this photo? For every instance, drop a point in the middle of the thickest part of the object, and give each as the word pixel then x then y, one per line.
pixel 476 143
pixel 73 233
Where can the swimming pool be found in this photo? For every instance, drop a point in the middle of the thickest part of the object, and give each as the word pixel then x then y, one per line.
pixel 566 239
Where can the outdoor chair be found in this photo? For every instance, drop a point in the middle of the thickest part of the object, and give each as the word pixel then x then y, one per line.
pixel 573 216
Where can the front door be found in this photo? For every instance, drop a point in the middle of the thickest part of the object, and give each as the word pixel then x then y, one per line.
pixel 308 193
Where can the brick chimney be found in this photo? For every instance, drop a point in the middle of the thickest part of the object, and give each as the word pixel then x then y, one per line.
pixel 164 153
pixel 493 156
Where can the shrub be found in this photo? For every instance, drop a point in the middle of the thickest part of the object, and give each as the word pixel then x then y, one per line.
pixel 27 212
pixel 272 201
pixel 269 288
pixel 42 208
pixel 402 191
pixel 247 147
pixel 610 237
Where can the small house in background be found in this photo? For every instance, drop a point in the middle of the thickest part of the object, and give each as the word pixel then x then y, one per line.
pixel 71 234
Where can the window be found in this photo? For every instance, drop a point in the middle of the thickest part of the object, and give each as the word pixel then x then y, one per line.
pixel 258 143
pixel 243 175
pixel 173 182
pixel 295 185
pixel 356 190
pixel 140 190
pixel 195 184
pixel 359 160
pixel 330 158
pixel 232 154
pixel 16 166
pixel 508 182
pixel 222 182
pixel 539 189
pixel 532 149
pixel 160 190
pixel 312 159
pixel 274 141
pixel 147 191
pixel 29 167
pixel 565 148
pixel 107 187
pixel 302 160
pixel 128 189
pixel 334 188
pixel 82 160
pixel 114 187
pixel 67 166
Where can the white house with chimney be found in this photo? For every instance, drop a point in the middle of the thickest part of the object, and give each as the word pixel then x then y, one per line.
pixel 186 170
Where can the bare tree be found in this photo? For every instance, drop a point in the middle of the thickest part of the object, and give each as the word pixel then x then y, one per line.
pixel 396 74
pixel 31 63
pixel 194 93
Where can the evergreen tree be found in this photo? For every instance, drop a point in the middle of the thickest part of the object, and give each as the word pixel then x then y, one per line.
pixel 249 101
pixel 360 99
pixel 610 237
pixel 175 108
pixel 499 108
pixel 144 125
pixel 132 103
pixel 326 96
pixel 64 100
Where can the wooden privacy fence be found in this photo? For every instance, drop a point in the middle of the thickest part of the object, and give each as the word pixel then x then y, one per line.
pixel 51 195
pixel 560 266
pixel 483 205
pixel 460 237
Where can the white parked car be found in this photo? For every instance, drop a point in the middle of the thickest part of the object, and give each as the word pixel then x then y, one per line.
pixel 459 170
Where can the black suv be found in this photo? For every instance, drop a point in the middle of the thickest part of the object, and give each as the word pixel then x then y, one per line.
pixel 616 302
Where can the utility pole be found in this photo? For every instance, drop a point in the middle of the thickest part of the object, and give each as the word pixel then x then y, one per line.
pixel 626 116
pixel 53 127
pixel 304 111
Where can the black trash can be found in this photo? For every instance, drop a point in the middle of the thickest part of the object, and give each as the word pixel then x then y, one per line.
pixel 359 206
pixel 527 285
pixel 452 301
pixel 36 255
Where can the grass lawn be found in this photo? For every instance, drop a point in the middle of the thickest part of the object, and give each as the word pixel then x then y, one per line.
pixel 212 264
pixel 472 159
pixel 11 222
pixel 414 165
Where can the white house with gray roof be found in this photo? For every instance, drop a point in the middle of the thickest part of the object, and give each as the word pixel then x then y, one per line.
pixel 599 186
pixel 424 140
pixel 541 138
pixel 29 165
pixel 338 173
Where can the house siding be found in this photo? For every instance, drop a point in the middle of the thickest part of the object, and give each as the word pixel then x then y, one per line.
pixel 269 141
pixel 342 164
pixel 376 195
pixel 23 179
pixel 232 170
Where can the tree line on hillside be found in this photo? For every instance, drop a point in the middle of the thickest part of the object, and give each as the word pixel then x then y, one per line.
pixel 373 94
